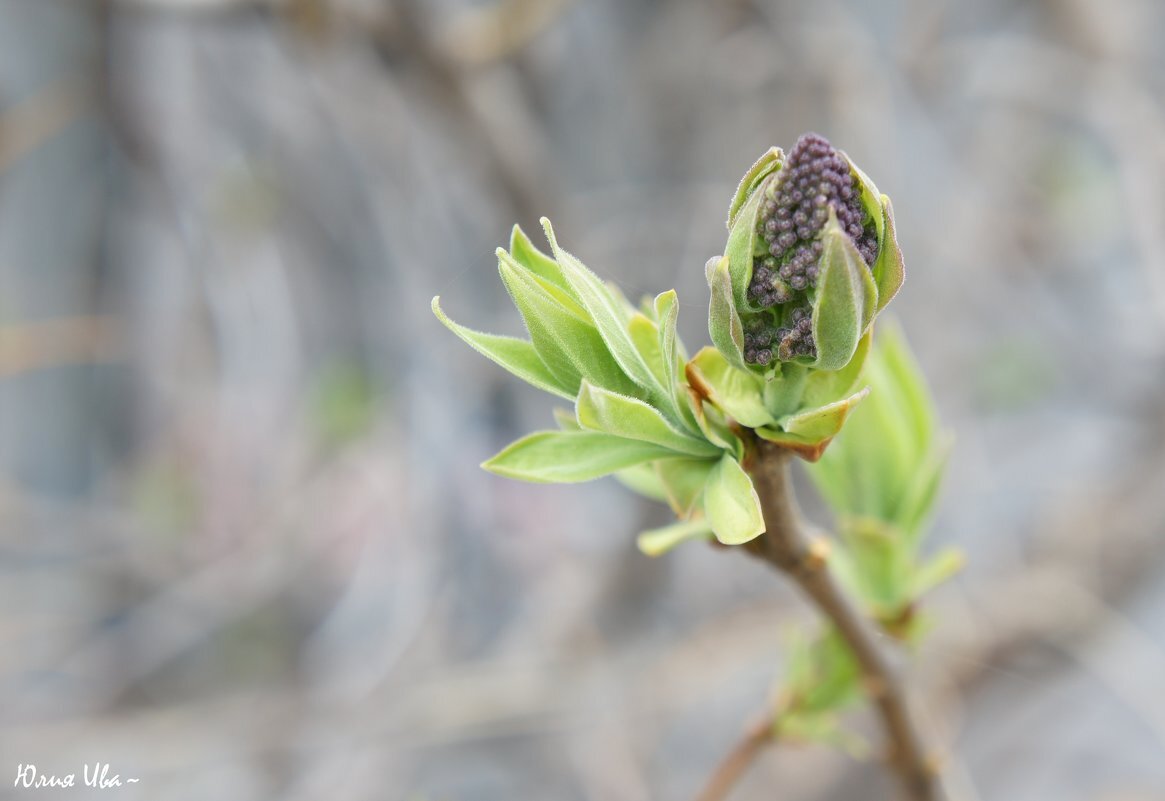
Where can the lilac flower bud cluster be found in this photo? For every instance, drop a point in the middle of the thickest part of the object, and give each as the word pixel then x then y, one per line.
pixel 793 213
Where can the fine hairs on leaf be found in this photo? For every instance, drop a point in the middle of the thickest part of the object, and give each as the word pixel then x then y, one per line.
pixel 799 369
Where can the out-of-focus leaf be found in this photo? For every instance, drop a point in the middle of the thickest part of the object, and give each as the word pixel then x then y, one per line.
pixel 822 728
pixel 736 392
pixel 919 495
pixel 939 569
pixel 607 312
pixel 643 479
pixel 882 560
pixel 516 355
pixel 569 457
pixel 601 410
pixel 731 503
pixel 566 419
pixel 658 541
pixel 683 481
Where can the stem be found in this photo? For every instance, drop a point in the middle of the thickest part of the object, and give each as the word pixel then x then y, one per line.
pixel 787 547
pixel 736 761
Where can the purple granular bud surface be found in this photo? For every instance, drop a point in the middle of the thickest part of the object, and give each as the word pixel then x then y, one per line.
pixel 814 178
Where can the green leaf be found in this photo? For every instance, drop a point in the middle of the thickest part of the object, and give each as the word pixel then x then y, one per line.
pixel 643 479
pixel 919 495
pixel 844 301
pixel 767 164
pixel 516 355
pixel 570 456
pixel 889 268
pixel 570 347
pixel 735 392
pixel 658 541
pixel 526 253
pixel 565 419
pixel 608 313
pixel 881 560
pixel 683 481
pixel 712 424
pixel 939 569
pixel 724 324
pixel 731 503
pixel 601 410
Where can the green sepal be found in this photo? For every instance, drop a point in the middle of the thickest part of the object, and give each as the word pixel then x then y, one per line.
pixel 731 503
pixel 658 541
pixel 823 387
pixel 844 301
pixel 809 431
pixel 737 393
pixel 601 410
pixel 767 164
pixel 724 325
pixel 889 268
pixel 518 356
pixel 569 457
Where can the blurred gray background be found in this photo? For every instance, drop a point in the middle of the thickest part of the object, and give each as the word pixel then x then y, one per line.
pixel 245 548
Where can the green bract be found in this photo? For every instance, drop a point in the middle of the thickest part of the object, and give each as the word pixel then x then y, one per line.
pixel 634 413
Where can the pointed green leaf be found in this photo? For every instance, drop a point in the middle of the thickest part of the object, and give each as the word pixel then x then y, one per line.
pixel 516 355
pixel 736 392
pixel 724 324
pixel 658 541
pixel 563 297
pixel 570 456
pixel 645 335
pixel 529 256
pixel 570 347
pixel 731 503
pixel 601 410
pixel 607 312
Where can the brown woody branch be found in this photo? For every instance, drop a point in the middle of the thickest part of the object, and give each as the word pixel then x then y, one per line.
pixel 787 547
